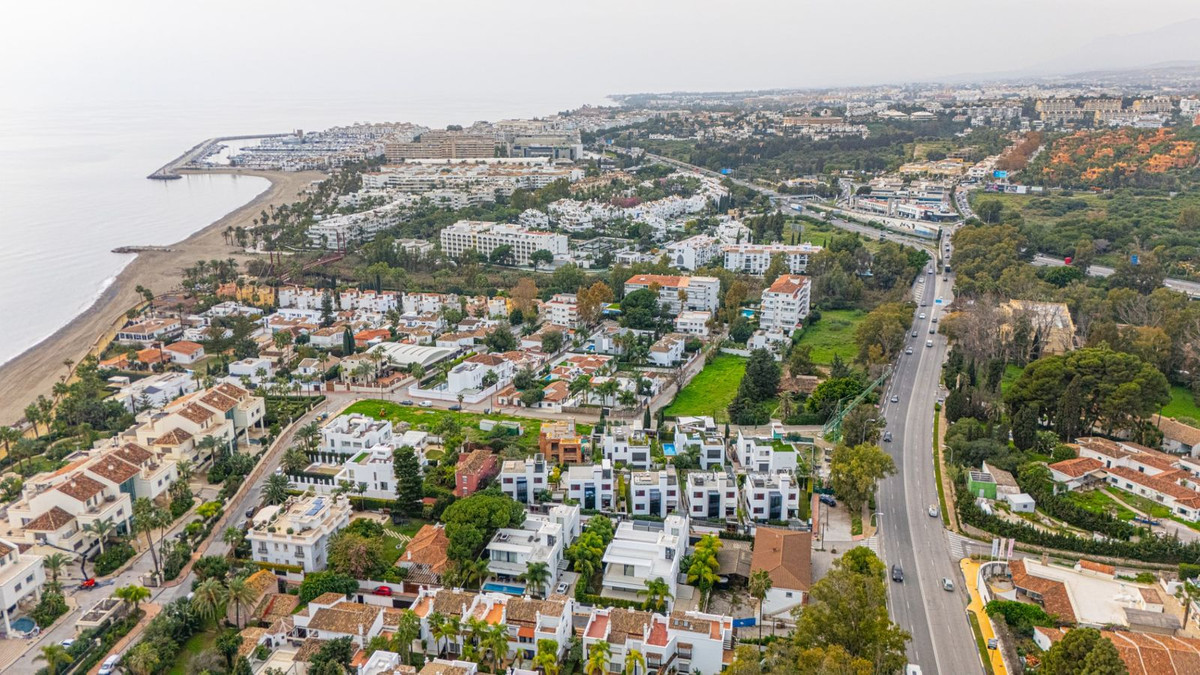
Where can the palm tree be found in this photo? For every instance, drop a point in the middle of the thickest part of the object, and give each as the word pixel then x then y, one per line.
pixel 275 489
pixel 9 436
pixel 294 460
pixel 598 658
pixel 309 433
pixel 185 470
pixel 101 528
pixel 449 630
pixel 145 521
pixel 143 659
pixel 627 398
pixel 608 388
pixel 209 599
pixel 132 594
pixel 547 657
pixel 210 444
pixel 657 593
pixel 474 636
pixel 239 593
pixel 407 630
pixel 536 575
pixel 633 660
pixel 54 656
pixel 760 584
pixel 54 563
pixel 582 384
pixel 787 406
pixel 471 573
pixel 495 638
pixel 233 536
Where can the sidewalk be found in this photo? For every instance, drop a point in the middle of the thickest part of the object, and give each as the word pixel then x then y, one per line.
pixel 970 571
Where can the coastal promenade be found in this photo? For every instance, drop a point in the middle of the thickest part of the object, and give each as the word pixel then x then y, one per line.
pixel 35 371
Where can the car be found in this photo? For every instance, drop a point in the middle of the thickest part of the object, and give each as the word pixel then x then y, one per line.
pixel 947 584
pixel 383 590
pixel 924 304
pixel 828 500
pixel 897 574
pixel 922 314
pixel 908 351
pixel 945 278
pixel 932 330
pixel 993 643
pixel 934 319
pixel 426 404
pixel 914 333
pixel 66 644
pixel 191 595
pixel 562 588
pixel 887 437
pixel 250 512
pixel 87 584
pixel 406 402
pixel 920 280
pixel 110 664
pixel 929 271
pixel 895 399
pixel 934 511
pixel 929 343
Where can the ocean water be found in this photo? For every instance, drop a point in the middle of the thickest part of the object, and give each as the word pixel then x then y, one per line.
pixel 73 186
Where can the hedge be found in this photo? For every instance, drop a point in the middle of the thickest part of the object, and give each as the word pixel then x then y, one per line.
pixel 600 601
pixel 114 556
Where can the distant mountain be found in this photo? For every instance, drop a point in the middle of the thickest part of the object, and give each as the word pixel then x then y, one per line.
pixel 1171 44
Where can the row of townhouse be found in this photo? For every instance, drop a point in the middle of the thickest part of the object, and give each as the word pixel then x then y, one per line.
pixel 485 237
pixel 683 642
pixel 1169 480
pixel 310 302
pixel 226 412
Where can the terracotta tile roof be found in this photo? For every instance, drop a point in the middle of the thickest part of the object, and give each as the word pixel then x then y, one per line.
pixel 328 599
pixel 231 390
pixel 556 391
pixel 428 548
pixel 1077 466
pixel 627 623
pixel 1097 567
pixel 50 521
pixel 475 462
pixel 1127 450
pixel 436 668
pixel 218 401
pixel 114 469
pixel 195 413
pixel 5 549
pixel 250 637
pixel 525 610
pixel 1147 654
pixel 262 581
pixel 173 437
pixel 346 617
pixel 185 347
pixel 452 603
pixel 788 284
pixel 1175 430
pixel 152 355
pixel 80 487
pixel 133 453
pixel 1055 599
pixel 785 555
pixel 1164 483
pixel 597 626
pixel 658 634
pixel 275 606
pixel 662 280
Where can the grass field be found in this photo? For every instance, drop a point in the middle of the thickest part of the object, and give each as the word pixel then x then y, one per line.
pixel 417 417
pixel 1098 501
pixel 1011 373
pixel 1182 404
pixel 194 647
pixel 833 334
pixel 710 392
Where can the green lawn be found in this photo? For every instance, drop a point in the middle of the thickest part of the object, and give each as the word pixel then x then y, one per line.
pixel 833 334
pixel 710 392
pixel 1142 504
pixel 1097 501
pixel 194 647
pixel 469 421
pixel 1182 404
pixel 1011 373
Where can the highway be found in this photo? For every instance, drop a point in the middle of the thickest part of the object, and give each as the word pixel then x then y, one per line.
pixel 942 641
pixel 1190 288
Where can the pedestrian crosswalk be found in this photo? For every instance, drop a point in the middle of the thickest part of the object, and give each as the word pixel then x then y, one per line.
pixel 963 547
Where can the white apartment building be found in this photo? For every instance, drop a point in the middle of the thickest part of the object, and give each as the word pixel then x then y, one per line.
pixel 622 443
pixel 694 252
pixel 369 300
pixel 756 258
pixel 373 469
pixel 353 433
pixel 644 550
pixel 681 642
pixel 592 486
pixel 654 493
pixel 785 304
pixel 300 297
pixel 680 293
pixel 523 479
pixel 712 496
pixel 256 370
pixel 485 237
pixel 469 375
pixel 563 310
pixel 771 496
pixel 513 549
pixel 709 446
pixel 693 323
pixel 156 391
pixel 150 330
pixel 766 455
pixel 21 579
pixel 668 351
pixel 297 532
pixel 53 509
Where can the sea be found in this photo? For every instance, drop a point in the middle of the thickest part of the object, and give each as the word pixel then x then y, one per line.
pixel 73 183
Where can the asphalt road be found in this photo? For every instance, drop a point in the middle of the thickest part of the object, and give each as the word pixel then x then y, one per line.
pixel 942 641
pixel 1191 288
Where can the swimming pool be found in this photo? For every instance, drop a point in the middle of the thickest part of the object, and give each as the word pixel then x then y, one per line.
pixel 24 625
pixel 669 449
pixel 498 587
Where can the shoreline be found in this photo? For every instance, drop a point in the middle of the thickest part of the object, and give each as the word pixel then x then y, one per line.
pixel 34 371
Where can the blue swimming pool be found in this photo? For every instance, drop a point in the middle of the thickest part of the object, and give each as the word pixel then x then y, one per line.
pixel 24 625
pixel 669 449
pixel 498 587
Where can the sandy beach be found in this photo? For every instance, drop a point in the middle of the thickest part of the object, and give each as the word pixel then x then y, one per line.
pixel 36 370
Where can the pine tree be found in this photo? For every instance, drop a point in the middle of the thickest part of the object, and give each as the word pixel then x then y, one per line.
pixel 409 487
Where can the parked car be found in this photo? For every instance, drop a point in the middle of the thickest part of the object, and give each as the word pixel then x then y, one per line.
pixel 110 664
pixel 406 402
pixel 426 404
pixel 383 590
pixel 66 644
pixel 562 588
pixel 947 584
pixel 908 350
pixel 897 574
pixel 828 500
pixel 250 512
pixel 929 343
pixel 914 333
pixel 456 407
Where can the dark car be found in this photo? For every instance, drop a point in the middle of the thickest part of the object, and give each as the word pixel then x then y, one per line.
pixel 455 407
pixel 897 574
pixel 406 402
pixel 828 500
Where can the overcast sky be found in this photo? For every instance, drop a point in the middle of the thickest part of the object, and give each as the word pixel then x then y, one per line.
pixel 60 51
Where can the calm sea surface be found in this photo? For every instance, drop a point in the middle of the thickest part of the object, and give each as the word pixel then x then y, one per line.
pixel 73 186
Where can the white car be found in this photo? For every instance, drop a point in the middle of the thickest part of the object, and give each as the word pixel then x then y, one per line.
pixel 895 399
pixel 66 644
pixel 947 584
pixel 908 351
pixel 922 315
pixel 426 404
pixel 934 511
pixel 110 664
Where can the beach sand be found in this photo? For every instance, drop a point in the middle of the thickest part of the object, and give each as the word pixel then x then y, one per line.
pixel 36 370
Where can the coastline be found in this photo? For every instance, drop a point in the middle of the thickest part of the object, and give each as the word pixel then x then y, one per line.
pixel 35 370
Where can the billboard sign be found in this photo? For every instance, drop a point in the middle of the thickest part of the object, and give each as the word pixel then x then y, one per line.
pixel 999 174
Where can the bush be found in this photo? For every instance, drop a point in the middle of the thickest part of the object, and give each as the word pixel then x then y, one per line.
pixel 174 557
pixel 108 634
pixel 50 607
pixel 113 557
pixel 1020 616
pixel 1189 570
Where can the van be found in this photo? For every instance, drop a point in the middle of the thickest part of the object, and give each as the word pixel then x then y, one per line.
pixel 110 664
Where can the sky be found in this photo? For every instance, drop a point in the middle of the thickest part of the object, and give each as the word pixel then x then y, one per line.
pixel 54 51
